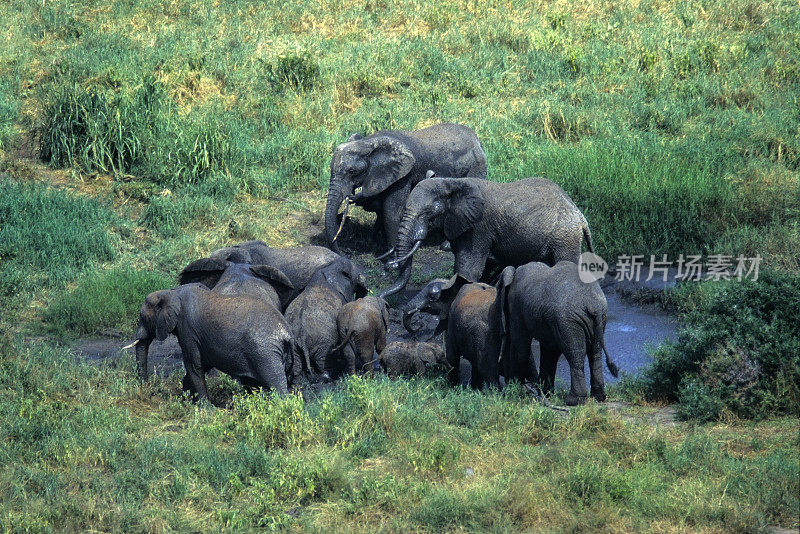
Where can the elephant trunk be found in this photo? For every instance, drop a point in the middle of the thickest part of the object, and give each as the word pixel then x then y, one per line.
pixel 336 195
pixel 142 344
pixel 409 231
pixel 408 315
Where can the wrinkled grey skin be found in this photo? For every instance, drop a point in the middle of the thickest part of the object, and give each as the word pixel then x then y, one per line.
pixel 362 326
pixel 566 316
pixel 389 163
pixel 229 278
pixel 297 263
pixel 508 223
pixel 473 316
pixel 241 335
pixel 403 358
pixel 313 314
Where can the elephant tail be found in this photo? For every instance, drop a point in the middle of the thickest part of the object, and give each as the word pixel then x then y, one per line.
pixel 599 336
pixel 344 342
pixel 587 235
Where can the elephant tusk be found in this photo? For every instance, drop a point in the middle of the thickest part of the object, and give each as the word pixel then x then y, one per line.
pixel 394 264
pixel 385 254
pixel 344 217
pixel 131 345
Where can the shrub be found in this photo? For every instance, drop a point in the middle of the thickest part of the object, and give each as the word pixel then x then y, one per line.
pixel 293 71
pixel 100 129
pixel 739 350
pixel 108 299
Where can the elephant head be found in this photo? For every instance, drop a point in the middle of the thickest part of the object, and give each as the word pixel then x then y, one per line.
pixel 344 277
pixel 432 354
pixel 436 298
pixel 373 163
pixel 237 278
pixel 158 317
pixel 453 205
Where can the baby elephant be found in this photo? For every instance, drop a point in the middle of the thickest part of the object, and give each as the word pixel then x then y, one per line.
pixel 408 359
pixel 362 326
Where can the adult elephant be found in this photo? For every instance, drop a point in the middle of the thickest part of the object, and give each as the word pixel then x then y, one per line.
pixel 297 263
pixel 510 223
pixel 242 335
pixel 388 164
pixel 566 316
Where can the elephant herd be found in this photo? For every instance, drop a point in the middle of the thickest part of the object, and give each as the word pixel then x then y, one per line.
pixel 286 317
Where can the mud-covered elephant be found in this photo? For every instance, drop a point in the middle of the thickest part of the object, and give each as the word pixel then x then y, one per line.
pixel 566 316
pixel 404 358
pixel 297 263
pixel 241 335
pixel 388 164
pixel 362 326
pixel 472 314
pixel 230 278
pixel 508 223
pixel 312 315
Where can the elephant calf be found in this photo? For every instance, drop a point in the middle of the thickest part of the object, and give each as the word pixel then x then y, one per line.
pixel 473 317
pixel 241 335
pixel 411 359
pixel 362 326
pixel 313 314
pixel 566 316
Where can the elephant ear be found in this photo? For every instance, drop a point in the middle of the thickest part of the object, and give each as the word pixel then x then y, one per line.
pixel 503 285
pixel 279 281
pixel 167 309
pixel 355 137
pixel 464 208
pixel 206 271
pixel 389 161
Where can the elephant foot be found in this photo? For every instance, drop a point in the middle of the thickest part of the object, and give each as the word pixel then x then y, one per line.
pixel 575 400
pixel 446 246
pixel 599 396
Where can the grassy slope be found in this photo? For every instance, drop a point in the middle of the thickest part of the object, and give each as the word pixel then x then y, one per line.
pixel 672 124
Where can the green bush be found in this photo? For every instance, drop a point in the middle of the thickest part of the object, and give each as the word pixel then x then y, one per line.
pixel 738 350
pixel 293 71
pixel 49 236
pixel 105 299
pixel 134 130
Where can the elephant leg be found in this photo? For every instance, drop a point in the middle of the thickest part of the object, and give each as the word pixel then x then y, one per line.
pixel 454 360
pixel 470 259
pixel 519 365
pixel 349 357
pixel 596 375
pixel 548 363
pixel 576 356
pixel 389 216
pixel 270 372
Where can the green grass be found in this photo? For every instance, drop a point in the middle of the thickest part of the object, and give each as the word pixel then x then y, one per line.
pixel 89 447
pixel 104 300
pixel 48 237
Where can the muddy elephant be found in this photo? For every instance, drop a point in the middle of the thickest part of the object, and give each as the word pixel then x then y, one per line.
pixel 388 164
pixel 508 223
pixel 566 316
pixel 241 335
pixel 403 358
pixel 362 326
pixel 230 278
pixel 473 317
pixel 313 314
pixel 297 263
